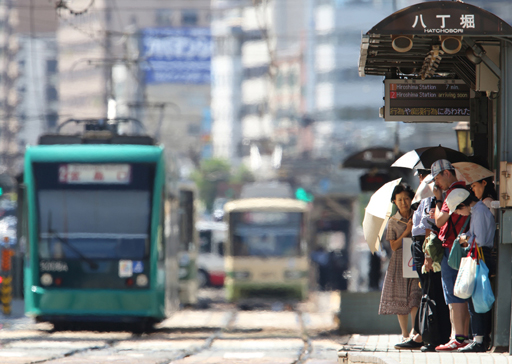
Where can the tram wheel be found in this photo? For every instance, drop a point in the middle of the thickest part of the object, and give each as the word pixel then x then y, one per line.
pixel 202 278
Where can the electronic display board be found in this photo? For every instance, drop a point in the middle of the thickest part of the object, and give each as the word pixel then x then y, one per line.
pixel 436 101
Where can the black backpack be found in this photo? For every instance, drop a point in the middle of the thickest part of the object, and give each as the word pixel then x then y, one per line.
pixel 428 318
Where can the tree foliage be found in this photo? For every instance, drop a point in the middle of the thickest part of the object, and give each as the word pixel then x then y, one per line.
pixel 213 171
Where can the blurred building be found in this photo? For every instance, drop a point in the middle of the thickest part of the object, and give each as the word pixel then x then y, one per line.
pixel 286 86
pixel 151 58
pixel 37 85
pixel 257 46
pixel 9 19
pixel 28 71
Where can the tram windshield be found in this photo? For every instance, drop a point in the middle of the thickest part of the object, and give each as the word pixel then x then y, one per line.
pixel 93 221
pixel 266 234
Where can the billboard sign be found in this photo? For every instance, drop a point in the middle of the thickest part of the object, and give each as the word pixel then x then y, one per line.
pixel 426 101
pixel 176 55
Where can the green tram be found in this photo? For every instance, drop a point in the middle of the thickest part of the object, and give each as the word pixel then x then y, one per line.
pixel 99 221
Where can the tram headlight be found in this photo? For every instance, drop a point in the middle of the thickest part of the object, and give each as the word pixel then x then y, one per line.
pixel 142 280
pixel 241 275
pixel 292 274
pixel 46 279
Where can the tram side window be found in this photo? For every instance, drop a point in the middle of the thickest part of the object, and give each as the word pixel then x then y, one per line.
pixel 205 242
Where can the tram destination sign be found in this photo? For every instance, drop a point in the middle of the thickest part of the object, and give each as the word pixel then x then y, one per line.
pixel 435 101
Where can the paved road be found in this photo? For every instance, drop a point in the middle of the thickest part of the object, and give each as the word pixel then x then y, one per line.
pixel 219 334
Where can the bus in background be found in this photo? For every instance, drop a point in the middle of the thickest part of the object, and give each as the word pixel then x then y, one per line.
pixel 188 245
pixel 98 248
pixel 210 262
pixel 266 254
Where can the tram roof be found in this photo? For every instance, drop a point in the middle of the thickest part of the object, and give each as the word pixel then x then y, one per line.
pixel 265 204
pixel 427 25
pixel 84 153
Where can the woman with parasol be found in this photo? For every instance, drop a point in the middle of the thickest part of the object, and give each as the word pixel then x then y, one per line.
pixel 400 296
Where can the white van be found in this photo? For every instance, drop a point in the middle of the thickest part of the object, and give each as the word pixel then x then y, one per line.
pixel 210 261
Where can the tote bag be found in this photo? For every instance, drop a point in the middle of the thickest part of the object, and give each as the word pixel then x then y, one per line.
pixel 466 277
pixel 457 251
pixel 408 267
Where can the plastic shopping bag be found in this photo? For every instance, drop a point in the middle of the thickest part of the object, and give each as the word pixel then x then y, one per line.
pixel 483 297
pixel 465 283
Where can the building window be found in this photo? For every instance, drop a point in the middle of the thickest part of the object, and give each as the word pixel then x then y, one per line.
pixel 279 80
pixel 51 93
pixel 292 79
pixel 51 66
pixel 163 18
pixel 189 17
pixel 52 119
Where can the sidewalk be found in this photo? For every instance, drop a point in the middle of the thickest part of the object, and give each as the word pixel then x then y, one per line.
pixel 380 349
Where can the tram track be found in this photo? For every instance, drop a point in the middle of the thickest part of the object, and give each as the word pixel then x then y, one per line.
pixel 301 357
pixel 208 342
pixel 231 331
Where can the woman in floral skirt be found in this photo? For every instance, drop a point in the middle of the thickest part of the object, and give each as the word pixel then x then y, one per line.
pixel 400 296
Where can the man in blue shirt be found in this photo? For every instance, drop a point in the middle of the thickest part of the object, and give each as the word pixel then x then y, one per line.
pixel 422 223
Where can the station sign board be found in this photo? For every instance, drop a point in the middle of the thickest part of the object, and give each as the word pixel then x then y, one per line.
pixel 434 101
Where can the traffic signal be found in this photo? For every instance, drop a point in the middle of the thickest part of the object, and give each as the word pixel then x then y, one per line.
pixel 303 195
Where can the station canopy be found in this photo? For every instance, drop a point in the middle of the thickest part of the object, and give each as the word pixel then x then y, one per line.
pixel 436 39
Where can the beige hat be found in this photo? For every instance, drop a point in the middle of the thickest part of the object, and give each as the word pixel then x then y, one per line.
pixel 455 198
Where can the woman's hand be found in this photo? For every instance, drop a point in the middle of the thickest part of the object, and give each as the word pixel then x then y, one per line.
pixel 408 229
pixel 463 240
pixel 427 264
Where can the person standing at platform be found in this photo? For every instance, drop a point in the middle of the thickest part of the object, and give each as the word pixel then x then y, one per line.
pixel 400 296
pixel 423 224
pixel 482 228
pixel 443 174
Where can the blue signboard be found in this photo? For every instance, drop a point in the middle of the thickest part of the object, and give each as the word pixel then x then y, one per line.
pixel 177 55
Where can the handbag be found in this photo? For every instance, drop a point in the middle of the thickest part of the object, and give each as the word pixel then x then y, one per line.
pixel 428 317
pixel 483 297
pixel 466 277
pixel 457 251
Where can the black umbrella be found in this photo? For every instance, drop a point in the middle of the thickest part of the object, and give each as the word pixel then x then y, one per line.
pixel 377 157
pixel 422 158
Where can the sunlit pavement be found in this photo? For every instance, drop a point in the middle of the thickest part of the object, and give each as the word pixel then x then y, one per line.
pixel 380 349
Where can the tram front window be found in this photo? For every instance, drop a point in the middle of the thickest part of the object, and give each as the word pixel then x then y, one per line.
pixel 94 224
pixel 267 234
